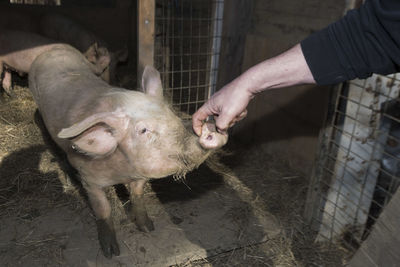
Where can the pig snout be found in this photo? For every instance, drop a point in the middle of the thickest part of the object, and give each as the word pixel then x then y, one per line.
pixel 210 138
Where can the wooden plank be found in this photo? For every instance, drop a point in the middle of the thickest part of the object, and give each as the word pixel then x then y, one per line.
pixel 236 24
pixel 382 246
pixel 146 28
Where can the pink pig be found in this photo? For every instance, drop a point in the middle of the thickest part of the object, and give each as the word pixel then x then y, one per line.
pixel 19 49
pixel 114 136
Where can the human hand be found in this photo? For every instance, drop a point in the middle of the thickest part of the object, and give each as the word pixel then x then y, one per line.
pixel 228 106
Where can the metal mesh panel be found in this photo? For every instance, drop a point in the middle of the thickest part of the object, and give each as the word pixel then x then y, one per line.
pixel 37 2
pixel 358 168
pixel 187 48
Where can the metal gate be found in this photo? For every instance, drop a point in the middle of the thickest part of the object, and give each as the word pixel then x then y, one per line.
pixel 358 167
pixel 186 52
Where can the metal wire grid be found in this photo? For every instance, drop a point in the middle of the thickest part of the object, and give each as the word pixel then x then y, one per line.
pixel 37 2
pixel 358 167
pixel 186 53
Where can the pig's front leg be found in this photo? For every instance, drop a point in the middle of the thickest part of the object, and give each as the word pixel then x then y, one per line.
pixel 105 227
pixel 138 212
pixel 7 82
pixel 106 75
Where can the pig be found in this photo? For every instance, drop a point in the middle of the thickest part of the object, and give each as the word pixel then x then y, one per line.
pixel 64 29
pixel 18 50
pixel 114 136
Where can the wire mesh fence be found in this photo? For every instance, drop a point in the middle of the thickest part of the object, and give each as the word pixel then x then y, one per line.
pixel 358 167
pixel 37 2
pixel 187 41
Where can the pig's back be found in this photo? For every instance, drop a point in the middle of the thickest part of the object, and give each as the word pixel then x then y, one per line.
pixel 63 84
pixel 19 49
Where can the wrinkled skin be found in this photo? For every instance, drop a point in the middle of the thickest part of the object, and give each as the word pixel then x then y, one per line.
pixel 62 28
pixel 112 135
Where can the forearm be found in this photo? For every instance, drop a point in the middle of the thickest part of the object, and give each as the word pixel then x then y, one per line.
pixel 365 41
pixel 287 69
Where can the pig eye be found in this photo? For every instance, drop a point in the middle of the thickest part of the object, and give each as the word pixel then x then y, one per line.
pixel 143 131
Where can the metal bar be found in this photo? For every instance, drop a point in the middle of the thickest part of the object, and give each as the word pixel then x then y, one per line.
pixel 198 63
pixel 216 45
pixel 332 193
pixel 172 48
pixel 313 200
pixel 181 57
pixel 190 57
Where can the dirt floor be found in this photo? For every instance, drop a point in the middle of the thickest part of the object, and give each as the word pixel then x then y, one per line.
pixel 38 200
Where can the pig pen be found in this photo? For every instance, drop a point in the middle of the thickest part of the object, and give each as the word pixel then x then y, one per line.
pixel 241 210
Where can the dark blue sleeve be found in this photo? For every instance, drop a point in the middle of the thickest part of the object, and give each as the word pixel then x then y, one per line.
pixel 365 41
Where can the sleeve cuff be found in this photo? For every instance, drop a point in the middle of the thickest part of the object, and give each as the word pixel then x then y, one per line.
pixel 321 58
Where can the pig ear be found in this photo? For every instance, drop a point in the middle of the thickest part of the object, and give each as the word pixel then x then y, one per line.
pixel 97 135
pixel 103 61
pixel 91 53
pixel 151 82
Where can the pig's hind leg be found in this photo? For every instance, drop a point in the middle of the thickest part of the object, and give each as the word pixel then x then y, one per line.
pixel 105 227
pixel 1 78
pixel 7 84
pixel 138 209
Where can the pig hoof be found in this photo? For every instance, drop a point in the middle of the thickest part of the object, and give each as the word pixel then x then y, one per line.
pixel 107 239
pixel 144 224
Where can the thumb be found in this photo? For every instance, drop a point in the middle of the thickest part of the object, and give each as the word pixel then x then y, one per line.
pixel 222 122
pixel 226 121
pixel 197 120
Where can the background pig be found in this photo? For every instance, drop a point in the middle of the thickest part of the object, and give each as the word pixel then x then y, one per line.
pixel 64 29
pixel 17 52
pixel 112 135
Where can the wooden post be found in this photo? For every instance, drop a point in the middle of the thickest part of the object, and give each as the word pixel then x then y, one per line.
pixel 146 26
pixel 236 23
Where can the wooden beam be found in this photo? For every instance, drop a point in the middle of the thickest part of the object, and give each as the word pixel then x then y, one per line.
pixel 146 26
pixel 236 24
pixel 382 246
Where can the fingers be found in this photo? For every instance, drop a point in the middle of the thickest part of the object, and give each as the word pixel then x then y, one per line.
pixel 222 121
pixel 198 118
pixel 225 121
pixel 242 115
